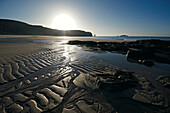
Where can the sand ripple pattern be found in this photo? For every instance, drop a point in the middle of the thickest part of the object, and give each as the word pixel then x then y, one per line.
pixel 45 80
pixel 32 82
pixel 42 81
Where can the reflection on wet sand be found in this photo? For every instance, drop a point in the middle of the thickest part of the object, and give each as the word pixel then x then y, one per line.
pixel 51 76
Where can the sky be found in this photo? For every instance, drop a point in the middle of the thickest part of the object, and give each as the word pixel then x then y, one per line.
pixel 101 17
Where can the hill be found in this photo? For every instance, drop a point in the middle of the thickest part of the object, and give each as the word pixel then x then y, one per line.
pixel 13 27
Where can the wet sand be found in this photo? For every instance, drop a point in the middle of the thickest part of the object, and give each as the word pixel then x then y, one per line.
pixel 44 74
pixel 61 38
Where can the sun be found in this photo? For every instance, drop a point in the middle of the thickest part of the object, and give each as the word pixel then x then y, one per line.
pixel 64 22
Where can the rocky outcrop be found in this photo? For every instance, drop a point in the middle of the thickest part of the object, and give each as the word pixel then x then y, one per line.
pixel 12 27
pixel 122 88
pixel 117 80
pixel 140 56
pixel 144 52
pixel 165 80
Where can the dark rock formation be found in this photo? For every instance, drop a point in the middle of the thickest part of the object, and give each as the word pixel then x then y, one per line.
pixel 165 80
pixel 140 56
pixel 12 27
pixel 121 89
pixel 117 80
pixel 143 51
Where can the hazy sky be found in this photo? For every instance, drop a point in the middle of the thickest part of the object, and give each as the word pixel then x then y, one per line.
pixel 101 17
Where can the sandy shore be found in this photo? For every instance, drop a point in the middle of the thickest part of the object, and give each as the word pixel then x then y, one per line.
pixel 61 38
pixel 52 77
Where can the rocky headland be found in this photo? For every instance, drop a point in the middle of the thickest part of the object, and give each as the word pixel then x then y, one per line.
pixel 12 27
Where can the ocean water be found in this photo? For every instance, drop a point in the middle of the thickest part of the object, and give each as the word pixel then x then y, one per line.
pixel 132 38
pixel 28 40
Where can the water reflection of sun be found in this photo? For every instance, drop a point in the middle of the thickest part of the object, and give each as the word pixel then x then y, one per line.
pixel 67 55
pixel 64 22
pixel 66 51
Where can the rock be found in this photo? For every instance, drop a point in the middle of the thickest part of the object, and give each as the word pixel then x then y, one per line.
pixel 85 108
pixel 86 81
pixel 141 98
pixel 134 54
pixel 167 85
pixel 147 63
pixel 117 80
pixel 149 96
pixel 122 77
pixel 139 54
pixel 165 80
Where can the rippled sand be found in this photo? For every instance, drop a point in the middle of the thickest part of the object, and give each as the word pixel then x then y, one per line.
pixel 48 77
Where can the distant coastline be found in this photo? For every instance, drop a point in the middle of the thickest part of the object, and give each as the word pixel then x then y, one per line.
pixel 123 36
pixel 133 37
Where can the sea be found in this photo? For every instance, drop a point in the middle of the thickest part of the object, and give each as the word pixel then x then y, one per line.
pixel 132 38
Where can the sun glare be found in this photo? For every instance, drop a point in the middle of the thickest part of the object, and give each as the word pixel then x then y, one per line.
pixel 64 22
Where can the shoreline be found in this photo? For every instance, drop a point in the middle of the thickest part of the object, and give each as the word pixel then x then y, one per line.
pixel 62 38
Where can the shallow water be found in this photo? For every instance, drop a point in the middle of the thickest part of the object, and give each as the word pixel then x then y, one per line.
pixel 119 60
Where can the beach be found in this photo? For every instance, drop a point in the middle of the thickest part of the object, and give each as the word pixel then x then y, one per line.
pixel 69 75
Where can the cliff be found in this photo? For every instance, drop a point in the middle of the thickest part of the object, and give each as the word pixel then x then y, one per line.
pixel 12 27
